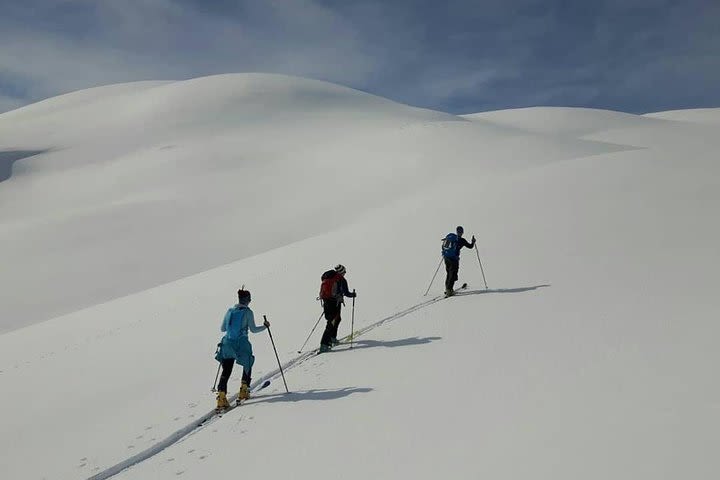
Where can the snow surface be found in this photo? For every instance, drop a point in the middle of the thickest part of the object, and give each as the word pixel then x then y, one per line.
pixel 592 355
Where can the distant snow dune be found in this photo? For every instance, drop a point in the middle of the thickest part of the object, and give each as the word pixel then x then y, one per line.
pixel 199 173
pixel 130 214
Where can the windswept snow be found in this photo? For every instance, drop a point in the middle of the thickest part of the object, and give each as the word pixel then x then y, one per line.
pixel 592 355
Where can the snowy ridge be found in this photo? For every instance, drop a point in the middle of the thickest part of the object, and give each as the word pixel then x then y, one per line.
pixel 697 115
pixel 562 120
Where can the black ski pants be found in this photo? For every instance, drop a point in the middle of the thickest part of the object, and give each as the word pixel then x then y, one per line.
pixel 227 368
pixel 452 265
pixel 331 309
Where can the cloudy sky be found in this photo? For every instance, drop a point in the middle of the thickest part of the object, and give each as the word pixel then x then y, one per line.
pixel 460 56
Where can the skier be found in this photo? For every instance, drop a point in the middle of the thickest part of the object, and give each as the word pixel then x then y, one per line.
pixel 452 243
pixel 333 289
pixel 235 347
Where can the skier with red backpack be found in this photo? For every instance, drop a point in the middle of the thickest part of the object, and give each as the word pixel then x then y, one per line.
pixel 333 290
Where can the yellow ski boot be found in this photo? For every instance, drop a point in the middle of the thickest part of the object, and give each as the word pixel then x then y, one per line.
pixel 244 393
pixel 222 401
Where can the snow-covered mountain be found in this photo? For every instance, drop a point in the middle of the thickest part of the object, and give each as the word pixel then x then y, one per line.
pixel 133 212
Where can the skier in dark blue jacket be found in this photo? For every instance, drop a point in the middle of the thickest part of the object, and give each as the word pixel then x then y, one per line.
pixel 452 243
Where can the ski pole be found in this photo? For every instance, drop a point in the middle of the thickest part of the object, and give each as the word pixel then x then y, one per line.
pixel 214 389
pixel 433 279
pixel 276 356
pixel 352 321
pixel 481 267
pixel 311 332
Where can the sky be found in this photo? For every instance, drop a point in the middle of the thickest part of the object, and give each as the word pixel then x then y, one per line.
pixel 459 56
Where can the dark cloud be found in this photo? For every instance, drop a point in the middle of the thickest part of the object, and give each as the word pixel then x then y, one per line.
pixel 460 56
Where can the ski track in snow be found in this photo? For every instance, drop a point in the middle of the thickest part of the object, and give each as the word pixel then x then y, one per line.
pixel 210 417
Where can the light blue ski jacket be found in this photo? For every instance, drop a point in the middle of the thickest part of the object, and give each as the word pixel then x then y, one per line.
pixel 235 344
pixel 238 320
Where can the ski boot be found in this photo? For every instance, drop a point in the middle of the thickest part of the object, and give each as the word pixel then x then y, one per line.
pixel 334 342
pixel 324 348
pixel 244 393
pixel 449 292
pixel 222 401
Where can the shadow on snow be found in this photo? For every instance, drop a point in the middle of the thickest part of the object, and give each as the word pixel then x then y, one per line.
pixel 500 290
pixel 303 395
pixel 8 157
pixel 404 342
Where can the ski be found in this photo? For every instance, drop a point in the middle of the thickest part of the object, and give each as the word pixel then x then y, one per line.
pixel 462 287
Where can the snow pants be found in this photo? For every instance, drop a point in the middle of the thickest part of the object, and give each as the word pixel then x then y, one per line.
pixel 331 309
pixel 227 368
pixel 452 265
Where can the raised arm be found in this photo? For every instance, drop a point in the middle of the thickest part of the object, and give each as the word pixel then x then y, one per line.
pixel 466 244
pixel 345 289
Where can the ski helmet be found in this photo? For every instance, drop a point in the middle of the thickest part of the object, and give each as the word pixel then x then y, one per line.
pixel 340 269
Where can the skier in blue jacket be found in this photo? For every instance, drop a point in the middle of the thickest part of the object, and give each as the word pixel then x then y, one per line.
pixel 452 244
pixel 236 348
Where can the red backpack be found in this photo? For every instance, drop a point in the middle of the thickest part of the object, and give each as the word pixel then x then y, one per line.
pixel 330 285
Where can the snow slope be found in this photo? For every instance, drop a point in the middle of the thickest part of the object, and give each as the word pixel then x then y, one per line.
pixel 200 173
pixel 592 355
